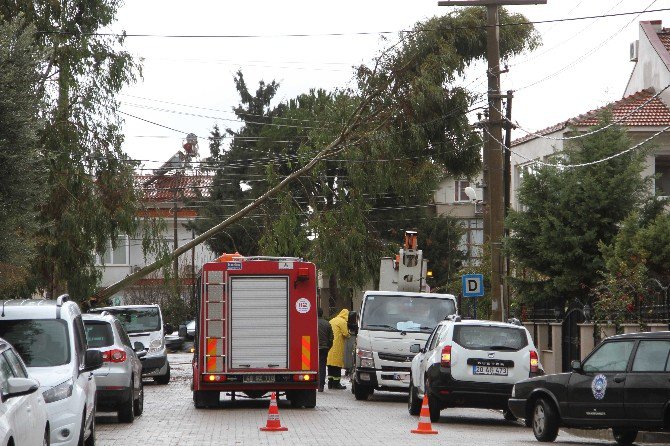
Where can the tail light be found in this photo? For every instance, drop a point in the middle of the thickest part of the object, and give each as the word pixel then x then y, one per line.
pixel 446 356
pixel 215 378
pixel 304 378
pixel 534 361
pixel 114 355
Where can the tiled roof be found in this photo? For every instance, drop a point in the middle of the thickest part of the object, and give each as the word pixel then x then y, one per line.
pixel 654 114
pixel 664 35
pixel 167 187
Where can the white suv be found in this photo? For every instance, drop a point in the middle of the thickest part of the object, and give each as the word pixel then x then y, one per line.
pixel 471 363
pixel 49 335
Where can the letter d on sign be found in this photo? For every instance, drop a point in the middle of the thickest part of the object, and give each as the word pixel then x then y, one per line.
pixel 472 285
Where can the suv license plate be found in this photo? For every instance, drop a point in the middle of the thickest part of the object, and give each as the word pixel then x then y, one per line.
pixel 259 378
pixel 482 370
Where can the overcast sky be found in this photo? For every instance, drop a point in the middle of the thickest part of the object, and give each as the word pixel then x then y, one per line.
pixel 188 82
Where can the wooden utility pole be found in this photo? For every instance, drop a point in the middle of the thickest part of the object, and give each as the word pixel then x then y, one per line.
pixel 494 178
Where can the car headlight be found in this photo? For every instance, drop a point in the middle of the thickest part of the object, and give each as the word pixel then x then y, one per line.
pixel 514 391
pixel 59 392
pixel 365 358
pixel 155 345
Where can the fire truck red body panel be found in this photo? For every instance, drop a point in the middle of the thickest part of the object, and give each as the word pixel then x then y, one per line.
pixel 256 328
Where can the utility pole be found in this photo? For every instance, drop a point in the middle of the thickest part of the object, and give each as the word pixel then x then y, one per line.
pixel 494 178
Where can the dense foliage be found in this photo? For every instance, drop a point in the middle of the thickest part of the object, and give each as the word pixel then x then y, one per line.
pixel 568 212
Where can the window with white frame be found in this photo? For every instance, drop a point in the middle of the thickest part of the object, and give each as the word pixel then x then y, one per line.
pixel 459 191
pixel 115 256
pixel 473 239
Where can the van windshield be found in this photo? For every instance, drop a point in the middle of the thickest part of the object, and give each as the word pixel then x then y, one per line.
pixel 404 313
pixel 137 320
pixel 40 342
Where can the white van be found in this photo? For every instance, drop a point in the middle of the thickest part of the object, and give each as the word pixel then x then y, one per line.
pixel 144 324
pixel 49 335
pixel 391 322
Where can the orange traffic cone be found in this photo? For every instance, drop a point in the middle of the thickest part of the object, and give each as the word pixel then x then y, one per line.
pixel 273 423
pixel 424 426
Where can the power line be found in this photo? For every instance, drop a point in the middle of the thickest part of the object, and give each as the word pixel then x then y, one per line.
pixel 334 34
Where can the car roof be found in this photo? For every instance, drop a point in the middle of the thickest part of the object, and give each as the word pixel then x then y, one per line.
pixel 97 317
pixel 641 335
pixel 119 307
pixel 409 294
pixel 38 309
pixel 481 322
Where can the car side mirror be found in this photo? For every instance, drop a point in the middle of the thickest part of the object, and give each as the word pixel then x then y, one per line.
pixel 576 366
pixel 139 349
pixel 168 328
pixel 415 348
pixel 19 387
pixel 183 332
pixel 92 360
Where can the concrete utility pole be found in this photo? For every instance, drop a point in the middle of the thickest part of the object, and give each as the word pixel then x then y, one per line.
pixel 494 178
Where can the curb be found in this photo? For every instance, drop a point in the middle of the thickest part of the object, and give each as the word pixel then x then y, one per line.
pixel 606 434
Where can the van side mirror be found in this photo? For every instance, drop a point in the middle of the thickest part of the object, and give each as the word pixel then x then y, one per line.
pixel 415 348
pixel 183 331
pixel 92 360
pixel 139 349
pixel 576 366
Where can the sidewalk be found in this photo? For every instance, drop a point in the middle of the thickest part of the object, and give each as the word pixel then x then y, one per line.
pixel 602 434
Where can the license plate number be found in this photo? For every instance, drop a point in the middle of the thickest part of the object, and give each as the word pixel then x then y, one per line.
pixel 259 378
pixel 484 370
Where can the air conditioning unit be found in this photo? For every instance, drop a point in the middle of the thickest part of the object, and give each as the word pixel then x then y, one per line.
pixel 634 48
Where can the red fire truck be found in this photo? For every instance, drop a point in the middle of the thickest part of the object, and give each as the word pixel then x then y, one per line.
pixel 256 330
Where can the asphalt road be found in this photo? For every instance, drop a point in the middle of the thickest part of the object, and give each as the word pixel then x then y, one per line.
pixel 170 419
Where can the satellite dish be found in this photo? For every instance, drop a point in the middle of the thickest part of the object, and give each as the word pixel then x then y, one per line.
pixel 471 193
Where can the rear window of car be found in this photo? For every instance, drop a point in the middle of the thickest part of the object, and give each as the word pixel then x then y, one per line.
pixel 488 337
pixel 40 342
pixel 98 334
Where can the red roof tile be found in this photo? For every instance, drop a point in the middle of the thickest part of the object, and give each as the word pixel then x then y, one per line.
pixel 167 187
pixel 636 110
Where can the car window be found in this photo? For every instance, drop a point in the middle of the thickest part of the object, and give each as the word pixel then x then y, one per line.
pixel 437 336
pixel 610 357
pixel 125 340
pixel 99 334
pixel 652 356
pixel 137 320
pixel 432 336
pixel 18 369
pixel 40 342
pixel 80 340
pixel 490 337
pixel 5 373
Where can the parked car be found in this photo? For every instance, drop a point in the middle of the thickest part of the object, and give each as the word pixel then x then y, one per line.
pixel 144 323
pixel 49 335
pixel 119 380
pixel 471 363
pixel 622 384
pixel 23 412
pixel 190 330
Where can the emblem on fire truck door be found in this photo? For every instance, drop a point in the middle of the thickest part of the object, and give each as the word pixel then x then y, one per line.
pixel 303 305
pixel 599 386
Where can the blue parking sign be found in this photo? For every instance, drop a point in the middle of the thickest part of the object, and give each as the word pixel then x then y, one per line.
pixel 473 285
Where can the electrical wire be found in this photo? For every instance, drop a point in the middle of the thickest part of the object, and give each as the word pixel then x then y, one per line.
pixel 334 34
pixel 590 163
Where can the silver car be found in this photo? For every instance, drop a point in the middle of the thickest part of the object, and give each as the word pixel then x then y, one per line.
pixel 119 380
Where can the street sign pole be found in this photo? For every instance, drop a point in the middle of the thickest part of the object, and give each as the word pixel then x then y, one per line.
pixel 493 165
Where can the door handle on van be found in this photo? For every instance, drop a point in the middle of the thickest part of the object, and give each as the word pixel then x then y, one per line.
pixel 273 365
pixel 619 378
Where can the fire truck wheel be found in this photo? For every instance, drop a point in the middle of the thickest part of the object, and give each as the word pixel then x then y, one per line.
pixel 361 392
pixel 205 398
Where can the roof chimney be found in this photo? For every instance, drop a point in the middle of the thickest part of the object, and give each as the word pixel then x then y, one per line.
pixel 657 25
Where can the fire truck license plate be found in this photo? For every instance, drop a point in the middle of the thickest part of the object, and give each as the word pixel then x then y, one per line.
pixel 259 378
